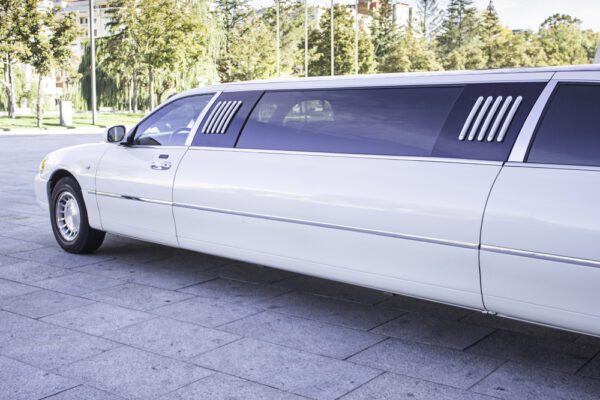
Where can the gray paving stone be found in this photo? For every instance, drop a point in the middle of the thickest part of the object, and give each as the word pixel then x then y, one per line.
pixel 42 303
pixel 19 381
pixel 439 332
pixel 424 307
pixel 334 289
pixel 139 297
pixel 544 353
pixel 396 387
pixel 234 291
pixel 84 393
pixel 303 334
pixel 589 340
pixel 134 373
pixel 29 272
pixel 9 245
pixel 333 311
pixel 224 387
pixel 172 338
pixel 12 325
pixel 160 276
pixel 287 369
pixel 8 260
pixel 592 369
pixel 114 269
pixel 431 363
pixel 46 346
pixel 57 257
pixel 507 324
pixel 78 283
pixel 206 312
pixel 98 318
pixel 134 251
pixel 515 381
pixel 10 289
pixel 247 272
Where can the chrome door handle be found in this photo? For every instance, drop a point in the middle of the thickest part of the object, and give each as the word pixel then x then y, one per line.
pixel 160 165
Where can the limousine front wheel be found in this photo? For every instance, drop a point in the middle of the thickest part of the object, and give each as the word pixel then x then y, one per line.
pixel 69 219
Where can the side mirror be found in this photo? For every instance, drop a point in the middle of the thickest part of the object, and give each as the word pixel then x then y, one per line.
pixel 115 134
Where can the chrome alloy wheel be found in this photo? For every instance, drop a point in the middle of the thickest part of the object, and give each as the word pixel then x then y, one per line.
pixel 67 216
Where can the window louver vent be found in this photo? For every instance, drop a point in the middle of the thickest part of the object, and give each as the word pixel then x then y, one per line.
pixel 220 117
pixel 490 116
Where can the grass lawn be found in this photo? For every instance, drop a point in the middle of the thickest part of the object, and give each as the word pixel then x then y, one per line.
pixel 79 119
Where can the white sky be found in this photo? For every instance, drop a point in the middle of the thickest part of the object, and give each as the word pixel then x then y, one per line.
pixel 518 14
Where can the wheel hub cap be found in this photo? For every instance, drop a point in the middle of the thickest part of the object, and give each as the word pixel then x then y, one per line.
pixel 67 216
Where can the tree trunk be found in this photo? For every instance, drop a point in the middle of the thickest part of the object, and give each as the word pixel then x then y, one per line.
pixel 39 102
pixel 10 90
pixel 151 87
pixel 135 93
pixel 129 103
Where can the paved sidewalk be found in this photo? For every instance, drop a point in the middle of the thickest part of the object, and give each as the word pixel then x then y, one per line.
pixel 89 130
pixel 143 321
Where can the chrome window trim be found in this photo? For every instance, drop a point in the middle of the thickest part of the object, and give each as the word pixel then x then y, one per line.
pixel 196 127
pixel 525 136
pixel 488 119
pixel 499 118
pixel 479 118
pixel 509 119
pixel 553 166
pixel 351 155
pixel 469 121
pixel 541 256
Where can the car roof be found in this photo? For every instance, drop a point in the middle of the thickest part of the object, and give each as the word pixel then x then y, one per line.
pixel 542 74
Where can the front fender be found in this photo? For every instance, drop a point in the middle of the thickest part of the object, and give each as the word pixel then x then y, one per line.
pixel 82 163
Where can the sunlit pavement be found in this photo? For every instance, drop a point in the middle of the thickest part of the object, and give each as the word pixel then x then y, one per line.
pixel 138 320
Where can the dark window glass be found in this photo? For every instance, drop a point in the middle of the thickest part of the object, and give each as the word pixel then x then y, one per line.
pixel 570 130
pixel 448 144
pixel 170 125
pixel 389 121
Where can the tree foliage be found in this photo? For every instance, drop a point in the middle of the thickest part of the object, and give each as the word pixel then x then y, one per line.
pixel 344 45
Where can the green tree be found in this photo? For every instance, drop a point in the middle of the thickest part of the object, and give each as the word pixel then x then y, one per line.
pixel 563 41
pixel 13 41
pixel 155 36
pixel 459 28
pixel 344 45
pixel 409 54
pixel 430 17
pixel 251 53
pixel 49 46
pixel 291 17
pixel 384 31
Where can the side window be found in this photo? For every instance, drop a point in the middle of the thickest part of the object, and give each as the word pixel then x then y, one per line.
pixel 569 132
pixel 170 125
pixel 388 121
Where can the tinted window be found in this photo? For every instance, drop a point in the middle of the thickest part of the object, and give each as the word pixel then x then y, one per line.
pixel 170 125
pixel 449 145
pixel 208 137
pixel 570 129
pixel 392 121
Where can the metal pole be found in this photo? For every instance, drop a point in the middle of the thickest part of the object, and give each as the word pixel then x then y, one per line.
pixel 332 41
pixel 356 39
pixel 278 43
pixel 92 61
pixel 306 38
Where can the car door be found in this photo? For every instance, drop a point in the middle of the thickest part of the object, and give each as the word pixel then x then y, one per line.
pixel 134 182
pixel 372 186
pixel 540 257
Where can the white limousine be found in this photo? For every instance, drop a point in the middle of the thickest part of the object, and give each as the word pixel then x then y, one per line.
pixel 477 189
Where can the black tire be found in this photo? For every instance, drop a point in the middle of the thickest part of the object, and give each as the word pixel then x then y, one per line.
pixel 86 239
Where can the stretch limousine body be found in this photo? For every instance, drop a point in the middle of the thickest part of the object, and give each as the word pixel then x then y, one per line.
pixel 478 189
